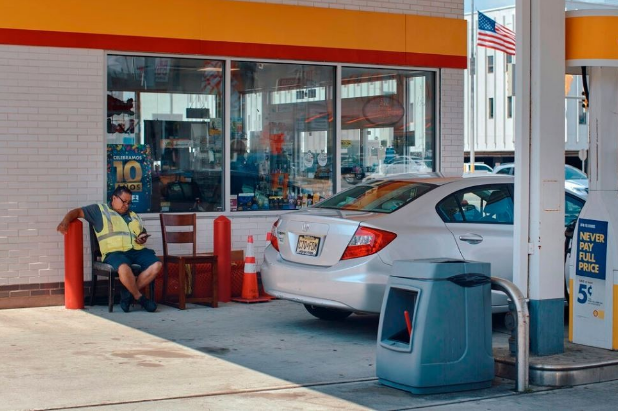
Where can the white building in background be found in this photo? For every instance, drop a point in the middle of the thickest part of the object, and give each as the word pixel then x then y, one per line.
pixel 494 93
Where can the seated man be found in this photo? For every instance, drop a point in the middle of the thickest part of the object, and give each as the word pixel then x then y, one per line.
pixel 121 236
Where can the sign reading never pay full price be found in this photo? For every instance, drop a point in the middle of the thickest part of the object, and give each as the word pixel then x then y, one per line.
pixel 590 266
pixel 591 248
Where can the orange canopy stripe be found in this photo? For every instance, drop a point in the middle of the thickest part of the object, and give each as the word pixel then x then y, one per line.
pixel 239 29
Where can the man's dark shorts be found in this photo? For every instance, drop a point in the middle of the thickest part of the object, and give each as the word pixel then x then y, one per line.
pixel 144 257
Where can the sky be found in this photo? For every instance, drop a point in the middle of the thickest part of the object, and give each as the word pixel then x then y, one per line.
pixel 494 4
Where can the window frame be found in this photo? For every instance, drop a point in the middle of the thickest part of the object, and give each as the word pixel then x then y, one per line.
pixel 227 60
pixel 506 187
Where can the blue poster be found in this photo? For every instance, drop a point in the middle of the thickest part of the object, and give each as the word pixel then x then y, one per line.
pixel 591 248
pixel 131 166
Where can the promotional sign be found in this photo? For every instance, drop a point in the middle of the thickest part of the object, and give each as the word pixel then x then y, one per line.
pixel 592 300
pixel 591 249
pixel 162 69
pixel 131 166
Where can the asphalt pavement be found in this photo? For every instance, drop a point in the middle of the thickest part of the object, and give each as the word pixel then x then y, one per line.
pixel 268 356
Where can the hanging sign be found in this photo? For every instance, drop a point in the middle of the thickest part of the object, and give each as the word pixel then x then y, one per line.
pixel 322 159
pixel 308 159
pixel 131 166
pixel 383 111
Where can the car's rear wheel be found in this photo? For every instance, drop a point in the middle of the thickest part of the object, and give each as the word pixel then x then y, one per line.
pixel 327 313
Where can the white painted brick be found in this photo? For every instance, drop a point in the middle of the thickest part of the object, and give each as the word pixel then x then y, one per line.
pixel 39 78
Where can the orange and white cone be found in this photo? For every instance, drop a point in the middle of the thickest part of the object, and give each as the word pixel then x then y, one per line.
pixel 250 293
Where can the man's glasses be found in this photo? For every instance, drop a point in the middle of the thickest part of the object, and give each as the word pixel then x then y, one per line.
pixel 126 203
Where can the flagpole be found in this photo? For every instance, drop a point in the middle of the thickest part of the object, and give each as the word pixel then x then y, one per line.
pixel 472 71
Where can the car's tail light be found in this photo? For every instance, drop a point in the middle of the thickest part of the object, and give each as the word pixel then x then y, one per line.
pixel 274 240
pixel 367 241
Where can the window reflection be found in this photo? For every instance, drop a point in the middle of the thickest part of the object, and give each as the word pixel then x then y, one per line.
pixel 173 109
pixel 282 134
pixel 387 121
pixel 169 111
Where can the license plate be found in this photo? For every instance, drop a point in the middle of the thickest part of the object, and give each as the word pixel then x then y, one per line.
pixel 307 245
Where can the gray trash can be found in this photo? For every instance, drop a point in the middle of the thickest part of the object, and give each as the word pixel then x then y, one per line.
pixel 448 304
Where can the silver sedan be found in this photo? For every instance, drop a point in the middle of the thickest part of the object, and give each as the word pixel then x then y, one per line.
pixel 336 256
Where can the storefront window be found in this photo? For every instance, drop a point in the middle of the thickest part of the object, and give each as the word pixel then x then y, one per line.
pixel 282 135
pixel 164 132
pixel 387 122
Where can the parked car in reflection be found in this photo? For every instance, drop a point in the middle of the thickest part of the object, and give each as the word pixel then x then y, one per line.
pixel 574 179
pixel 400 165
pixel 479 167
pixel 322 172
pixel 352 170
pixel 336 257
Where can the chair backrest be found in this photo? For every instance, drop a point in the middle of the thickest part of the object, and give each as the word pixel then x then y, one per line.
pixel 95 250
pixel 178 229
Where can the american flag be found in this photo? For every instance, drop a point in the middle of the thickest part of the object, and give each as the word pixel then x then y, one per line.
pixel 495 36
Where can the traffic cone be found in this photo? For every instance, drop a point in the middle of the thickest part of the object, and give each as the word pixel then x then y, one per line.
pixel 250 293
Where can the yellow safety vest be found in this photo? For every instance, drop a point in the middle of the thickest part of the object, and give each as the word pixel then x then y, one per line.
pixel 116 235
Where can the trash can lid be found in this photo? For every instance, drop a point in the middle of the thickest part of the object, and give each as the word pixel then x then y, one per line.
pixel 438 268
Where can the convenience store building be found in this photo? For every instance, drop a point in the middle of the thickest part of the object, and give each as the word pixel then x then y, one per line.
pixel 246 109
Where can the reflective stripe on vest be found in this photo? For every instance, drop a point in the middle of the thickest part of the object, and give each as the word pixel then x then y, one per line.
pixel 116 235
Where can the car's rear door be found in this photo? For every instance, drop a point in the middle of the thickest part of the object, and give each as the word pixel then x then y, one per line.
pixel 481 221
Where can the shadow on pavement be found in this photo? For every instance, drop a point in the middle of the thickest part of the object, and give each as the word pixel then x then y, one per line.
pixel 281 340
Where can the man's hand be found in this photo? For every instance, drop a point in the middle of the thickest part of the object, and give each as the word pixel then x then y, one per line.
pixel 141 238
pixel 63 227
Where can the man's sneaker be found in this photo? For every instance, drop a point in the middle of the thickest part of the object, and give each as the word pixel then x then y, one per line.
pixel 147 304
pixel 125 299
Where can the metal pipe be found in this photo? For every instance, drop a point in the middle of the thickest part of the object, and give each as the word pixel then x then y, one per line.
pixel 523 329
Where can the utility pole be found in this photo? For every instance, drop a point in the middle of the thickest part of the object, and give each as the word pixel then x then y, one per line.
pixel 472 71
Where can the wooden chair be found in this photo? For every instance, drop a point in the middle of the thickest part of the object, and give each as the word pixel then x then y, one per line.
pixel 103 269
pixel 174 231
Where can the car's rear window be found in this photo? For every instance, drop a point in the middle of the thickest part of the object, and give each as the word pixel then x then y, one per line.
pixel 571 173
pixel 383 196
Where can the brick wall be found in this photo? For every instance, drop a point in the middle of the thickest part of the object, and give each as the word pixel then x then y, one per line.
pixel 452 121
pixel 242 226
pixel 52 154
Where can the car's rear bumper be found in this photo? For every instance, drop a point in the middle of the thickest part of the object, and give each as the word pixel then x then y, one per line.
pixel 356 285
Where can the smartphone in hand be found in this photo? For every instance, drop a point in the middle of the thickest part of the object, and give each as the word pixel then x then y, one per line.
pixel 144 236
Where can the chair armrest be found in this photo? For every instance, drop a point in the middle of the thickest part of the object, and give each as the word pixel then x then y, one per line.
pixel 103 267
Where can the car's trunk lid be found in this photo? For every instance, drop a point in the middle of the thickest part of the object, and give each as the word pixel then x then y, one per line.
pixel 319 237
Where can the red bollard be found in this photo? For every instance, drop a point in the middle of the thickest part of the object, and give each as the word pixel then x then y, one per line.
pixel 74 266
pixel 223 250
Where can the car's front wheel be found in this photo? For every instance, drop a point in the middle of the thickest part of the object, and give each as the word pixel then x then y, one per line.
pixel 327 313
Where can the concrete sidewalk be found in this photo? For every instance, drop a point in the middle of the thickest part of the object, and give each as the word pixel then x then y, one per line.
pixel 271 356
